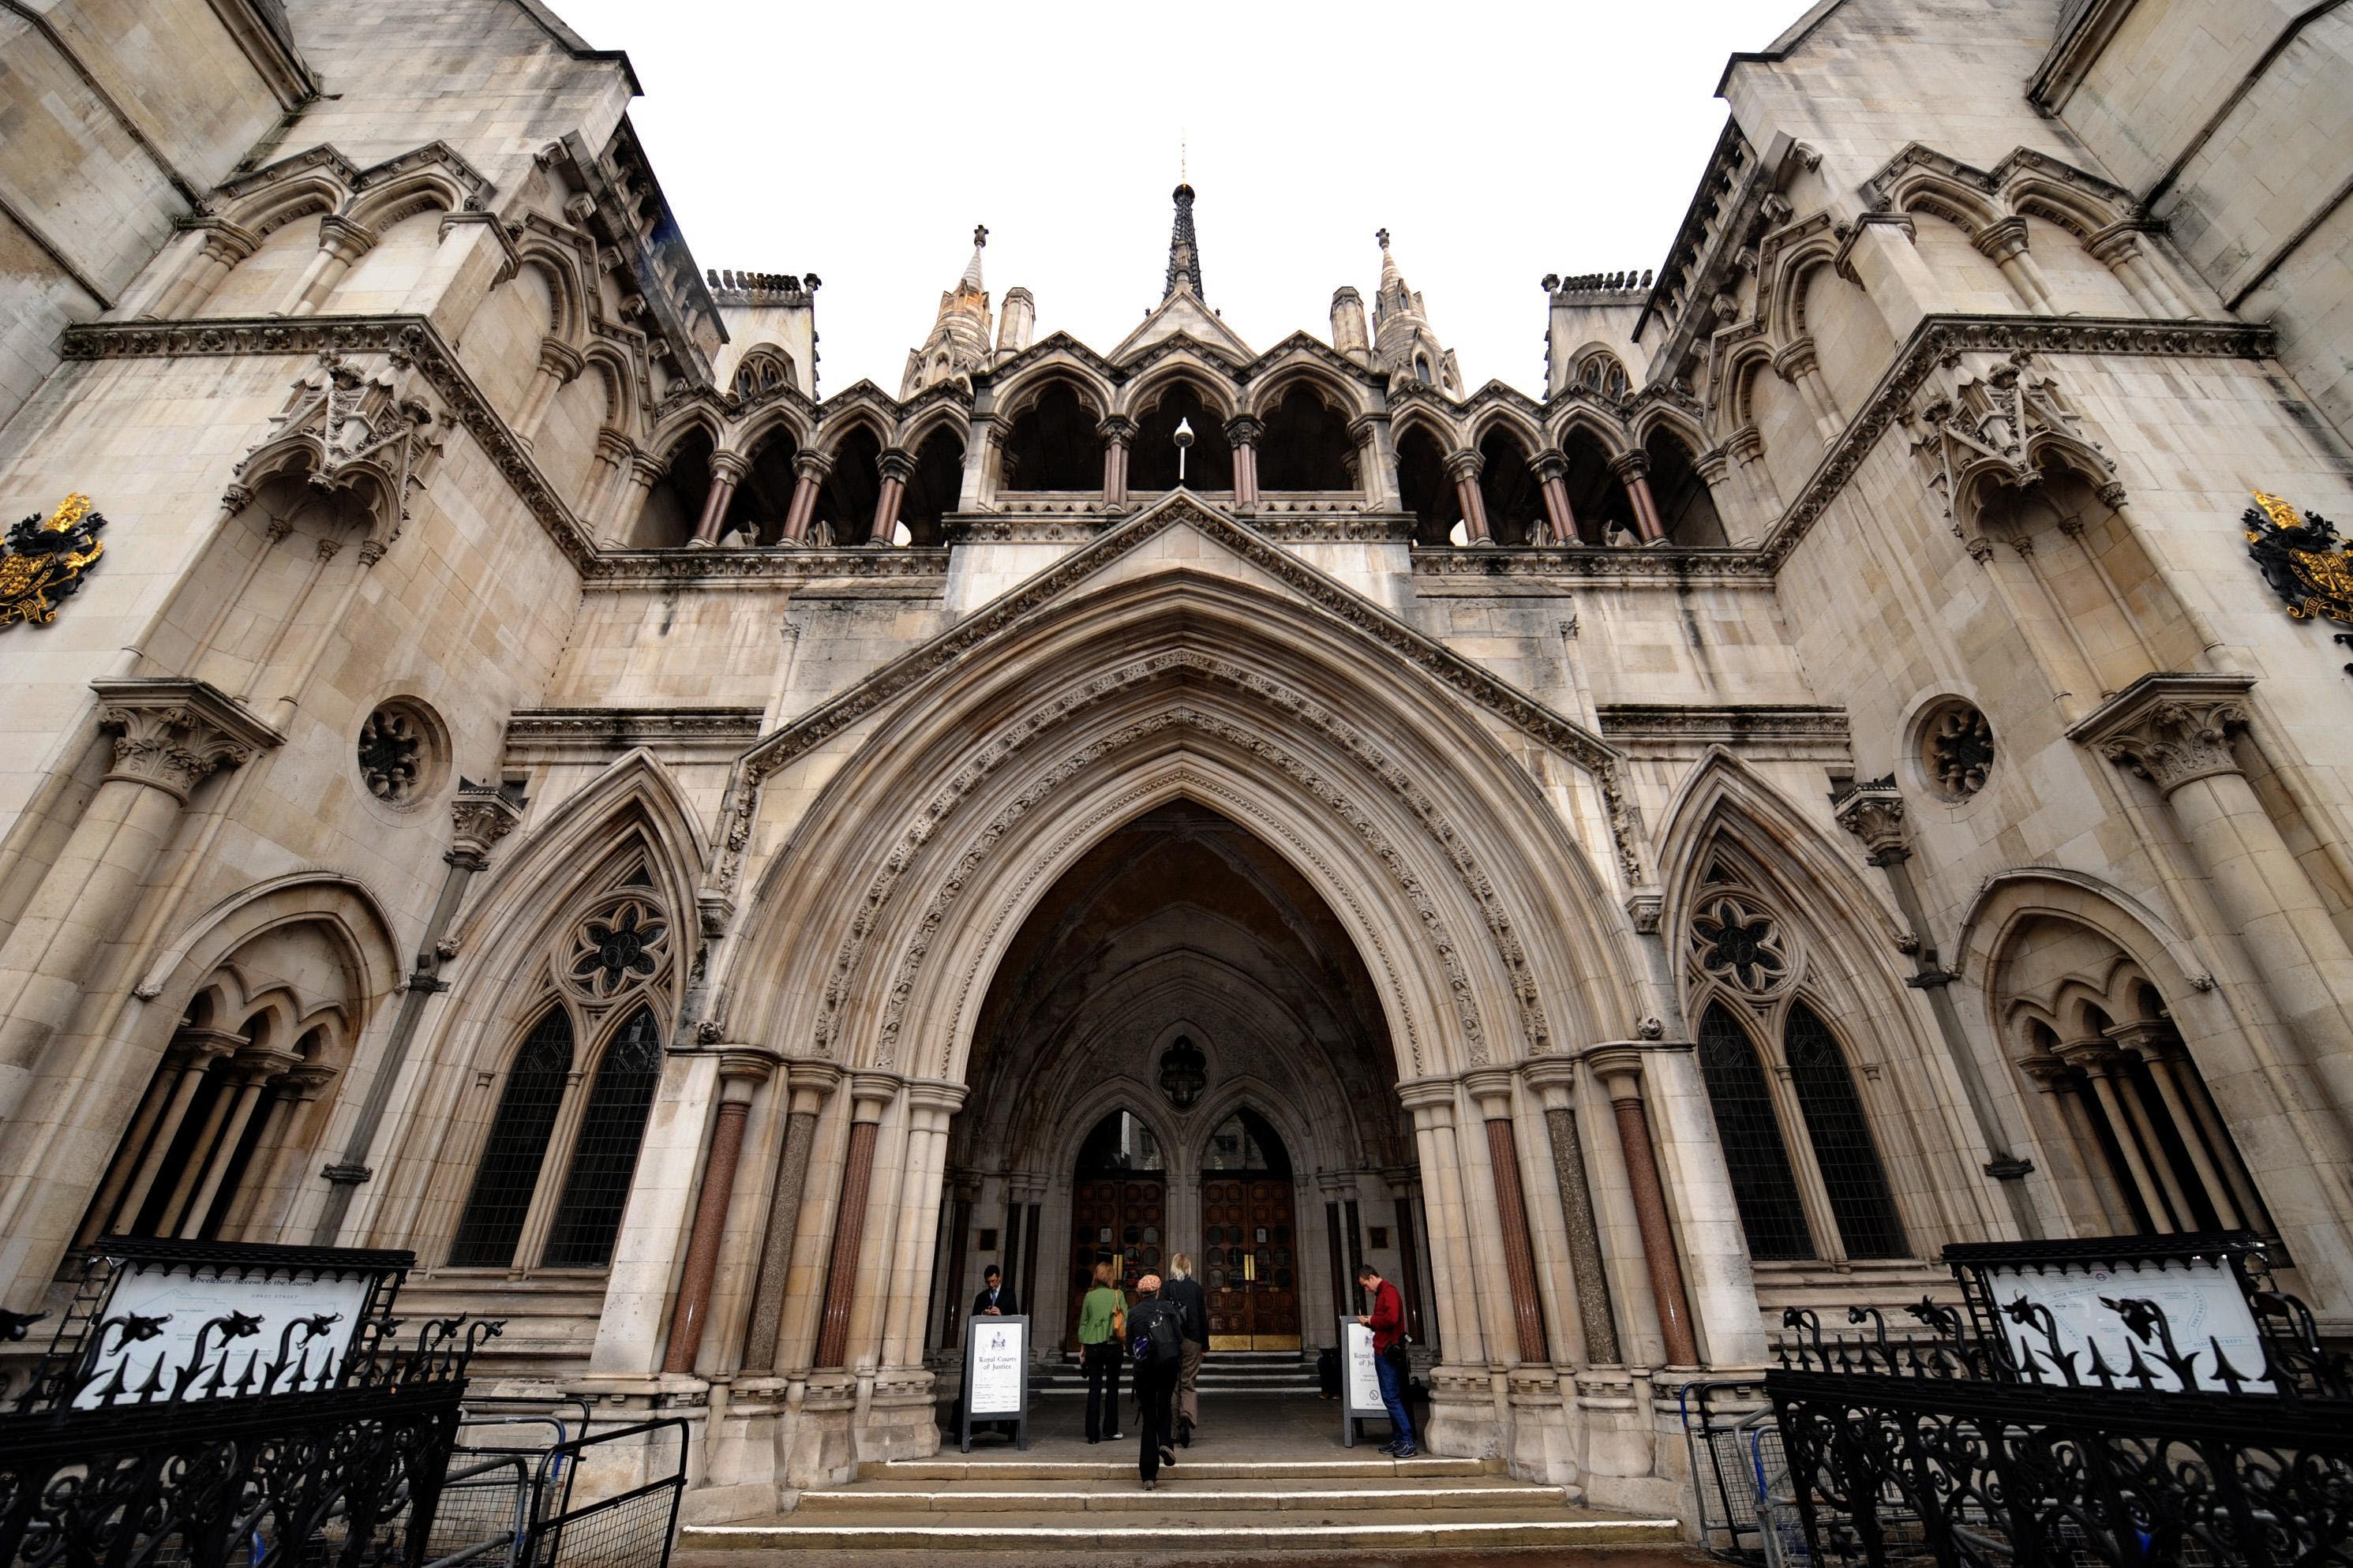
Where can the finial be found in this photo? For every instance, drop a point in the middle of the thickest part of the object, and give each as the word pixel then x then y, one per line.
pixel 1183 177
pixel 1383 235
pixel 979 236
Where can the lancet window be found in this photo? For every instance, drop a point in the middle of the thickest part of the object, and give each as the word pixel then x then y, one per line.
pixel 574 1093
pixel 1806 1172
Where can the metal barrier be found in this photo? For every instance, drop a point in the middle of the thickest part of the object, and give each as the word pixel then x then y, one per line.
pixel 1716 1414
pixel 631 1528
pixel 511 1499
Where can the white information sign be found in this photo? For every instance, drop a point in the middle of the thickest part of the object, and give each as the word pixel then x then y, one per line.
pixel 1000 1358
pixel 1358 1366
pixel 2200 1299
pixel 190 1303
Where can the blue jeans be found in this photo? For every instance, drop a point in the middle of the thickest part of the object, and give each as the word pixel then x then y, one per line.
pixel 1393 1397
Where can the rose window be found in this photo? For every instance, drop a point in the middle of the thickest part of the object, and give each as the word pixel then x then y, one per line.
pixel 1957 747
pixel 619 945
pixel 392 755
pixel 1741 944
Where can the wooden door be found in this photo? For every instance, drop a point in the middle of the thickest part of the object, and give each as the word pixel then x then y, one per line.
pixel 1251 1262
pixel 1121 1216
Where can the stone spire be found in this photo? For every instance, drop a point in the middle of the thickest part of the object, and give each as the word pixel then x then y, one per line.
pixel 959 342
pixel 1184 253
pixel 1404 348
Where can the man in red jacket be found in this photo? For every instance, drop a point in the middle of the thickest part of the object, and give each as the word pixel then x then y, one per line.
pixel 1387 1320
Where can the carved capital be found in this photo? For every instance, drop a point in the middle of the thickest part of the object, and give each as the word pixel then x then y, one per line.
pixel 1643 906
pixel 1242 430
pixel 1629 466
pixel 1794 359
pixel 1873 812
pixel 898 464
pixel 1490 1089
pixel 728 468
pixel 481 816
pixel 560 359
pixel 1364 428
pixel 813 466
pixel 1551 463
pixel 1619 1070
pixel 1118 429
pixel 1464 463
pixel 2003 241
pixel 344 240
pixel 171 735
pixel 2171 730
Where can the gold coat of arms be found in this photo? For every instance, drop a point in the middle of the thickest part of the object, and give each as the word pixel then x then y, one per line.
pixel 44 561
pixel 2302 558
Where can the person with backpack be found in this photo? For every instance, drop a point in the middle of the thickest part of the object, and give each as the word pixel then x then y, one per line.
pixel 1102 1314
pixel 1185 1293
pixel 1155 1337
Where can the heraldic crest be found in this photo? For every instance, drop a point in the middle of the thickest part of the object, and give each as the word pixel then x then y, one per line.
pixel 44 562
pixel 2302 558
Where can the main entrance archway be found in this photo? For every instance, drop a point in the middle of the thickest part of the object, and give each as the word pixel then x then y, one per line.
pixel 1182 1054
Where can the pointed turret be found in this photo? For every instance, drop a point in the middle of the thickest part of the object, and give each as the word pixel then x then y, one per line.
pixel 1404 348
pixel 959 342
pixel 1183 251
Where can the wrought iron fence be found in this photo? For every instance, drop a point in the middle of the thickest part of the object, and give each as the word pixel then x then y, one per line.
pixel 1970 1444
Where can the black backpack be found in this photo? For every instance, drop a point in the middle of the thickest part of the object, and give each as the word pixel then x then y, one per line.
pixel 1156 1333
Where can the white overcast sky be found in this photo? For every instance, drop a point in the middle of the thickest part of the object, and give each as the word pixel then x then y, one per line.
pixel 863 141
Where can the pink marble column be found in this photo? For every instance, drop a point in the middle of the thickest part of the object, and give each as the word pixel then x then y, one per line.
pixel 727 471
pixel 741 1071
pixel 1633 471
pixel 1242 432
pixel 1551 471
pixel 1619 1072
pixel 1116 432
pixel 849 1220
pixel 1464 467
pixel 810 469
pixel 897 468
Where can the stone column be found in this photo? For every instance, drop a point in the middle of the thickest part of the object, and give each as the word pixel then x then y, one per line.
pixel 1491 1088
pixel 559 362
pixel 613 453
pixel 2004 243
pixel 1552 1078
pixel 809 471
pixel 1463 466
pixel 1800 366
pixel 932 1104
pixel 126 1192
pixel 169 737
pixel 251 1072
pixel 1551 467
pixel 2151 1043
pixel 280 1150
pixel 628 499
pixel 1619 1070
pixel 1242 432
pixel 2174 731
pixel 741 1070
pixel 1633 471
pixel 2128 1120
pixel 871 1092
pixel 341 242
pixel 727 471
pixel 810 1084
pixel 224 248
pixel 1376 470
pixel 2118 247
pixel 2052 1078
pixel 1747 449
pixel 897 468
pixel 1453 1272
pixel 1874 814
pixel 1116 431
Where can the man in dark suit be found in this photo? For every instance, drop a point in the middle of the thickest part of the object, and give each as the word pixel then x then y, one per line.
pixel 994 1300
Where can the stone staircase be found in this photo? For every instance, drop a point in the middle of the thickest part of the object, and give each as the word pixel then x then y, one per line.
pixel 1261 1508
pixel 1285 1372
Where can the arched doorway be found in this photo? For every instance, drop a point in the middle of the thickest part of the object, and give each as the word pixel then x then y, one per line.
pixel 1249 1261
pixel 1119 1209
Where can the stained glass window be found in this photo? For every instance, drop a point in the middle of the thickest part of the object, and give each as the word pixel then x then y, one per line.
pixel 605 1157
pixel 509 1173
pixel 1852 1173
pixel 1763 1188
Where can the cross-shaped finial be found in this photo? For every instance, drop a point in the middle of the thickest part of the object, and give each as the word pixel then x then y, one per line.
pixel 1383 235
pixel 980 234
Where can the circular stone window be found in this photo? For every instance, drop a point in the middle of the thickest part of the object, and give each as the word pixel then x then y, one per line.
pixel 1957 749
pixel 399 753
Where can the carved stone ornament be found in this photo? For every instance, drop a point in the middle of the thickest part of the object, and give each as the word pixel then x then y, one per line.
pixel 1874 812
pixel 1184 1073
pixel 393 755
pixel 44 561
pixel 481 816
pixel 1957 749
pixel 621 944
pixel 1996 424
pixel 2176 742
pixel 1735 940
pixel 171 734
pixel 351 421
pixel 2304 561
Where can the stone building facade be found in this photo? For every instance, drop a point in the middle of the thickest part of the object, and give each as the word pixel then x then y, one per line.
pixel 710 867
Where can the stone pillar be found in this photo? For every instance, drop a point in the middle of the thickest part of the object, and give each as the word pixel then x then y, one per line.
pixel 341 243
pixel 613 452
pixel 1242 432
pixel 727 471
pixel 871 1092
pixel 809 1083
pixel 1747 449
pixel 2174 731
pixel 2004 243
pixel 2128 1120
pixel 2050 1077
pixel 559 362
pixel 1874 814
pixel 1633 470
pixel 1552 1078
pixel 897 468
pixel 1453 1273
pixel 1491 1088
pixel 251 1071
pixel 278 1153
pixel 1800 366
pixel 1375 468
pixel 629 502
pixel 1116 431
pixel 224 248
pixel 741 1069
pixel 1619 1070
pixel 809 471
pixel 127 1189
pixel 1551 467
pixel 2118 247
pixel 169 737
pixel 930 1104
pixel 1463 466
pixel 2152 1043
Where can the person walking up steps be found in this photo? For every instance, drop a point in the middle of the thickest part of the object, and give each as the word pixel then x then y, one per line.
pixel 1155 1330
pixel 1387 1320
pixel 1185 1293
pixel 1102 1317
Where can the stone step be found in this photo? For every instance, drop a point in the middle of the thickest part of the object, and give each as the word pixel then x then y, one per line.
pixel 1187 1515
pixel 1016 1467
pixel 864 1501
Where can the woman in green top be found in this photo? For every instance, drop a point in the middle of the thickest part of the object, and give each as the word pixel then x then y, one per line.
pixel 1103 1319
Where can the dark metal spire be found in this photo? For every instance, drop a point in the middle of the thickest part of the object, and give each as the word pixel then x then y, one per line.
pixel 1184 253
